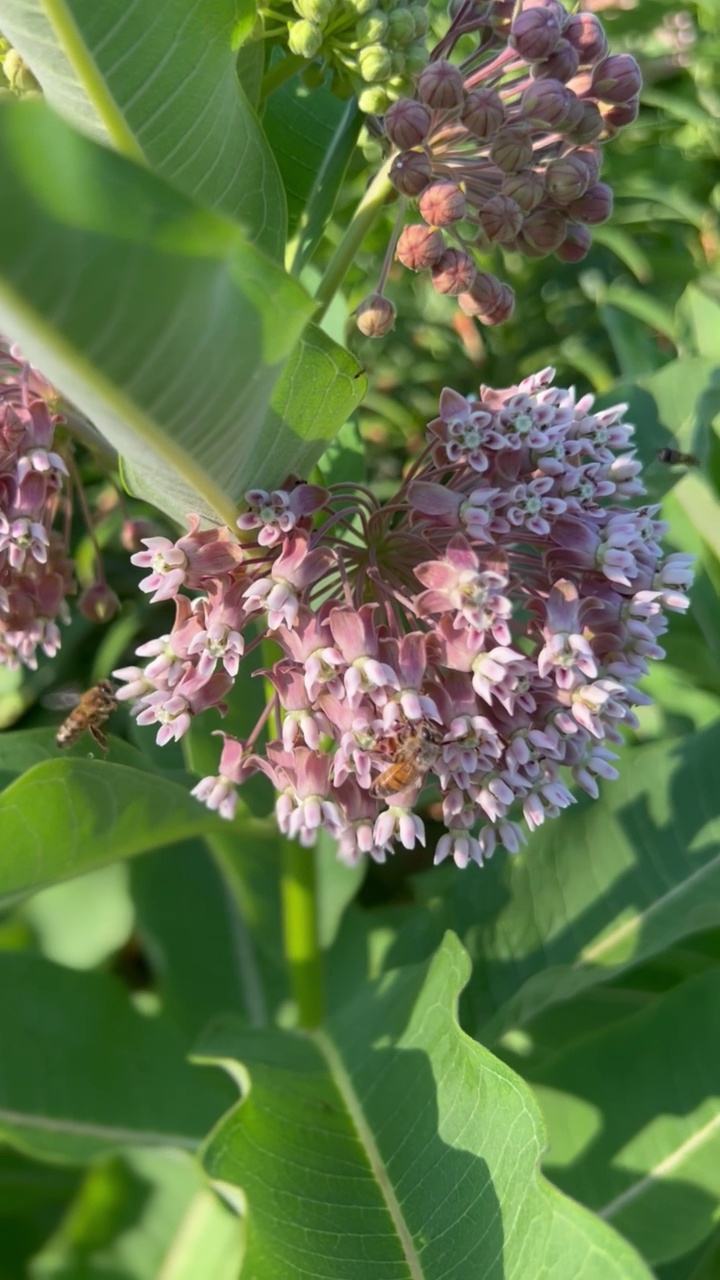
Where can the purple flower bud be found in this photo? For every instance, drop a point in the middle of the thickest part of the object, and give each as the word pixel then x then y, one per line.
pixel 440 85
pixel 617 79
pixel 546 102
pixel 595 206
pixel 98 603
pixel 407 123
pixel 501 219
pixel 489 300
pixel 585 33
pixel 575 246
pixel 589 127
pixel 442 204
pixel 483 113
pixel 419 246
pixel 544 230
pixel 535 33
pixel 567 179
pixel 411 172
pixel 527 188
pixel 512 148
pixel 621 114
pixel 375 316
pixel 592 159
pixel 454 272
pixel 561 65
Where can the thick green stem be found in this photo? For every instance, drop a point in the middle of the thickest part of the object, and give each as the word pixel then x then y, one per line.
pixel 280 73
pixel 346 252
pixel 300 931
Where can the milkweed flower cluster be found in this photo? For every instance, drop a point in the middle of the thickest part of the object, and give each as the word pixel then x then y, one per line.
pixel 486 627
pixel 35 572
pixel 504 151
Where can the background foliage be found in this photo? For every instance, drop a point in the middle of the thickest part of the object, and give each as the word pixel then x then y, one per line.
pixel 583 994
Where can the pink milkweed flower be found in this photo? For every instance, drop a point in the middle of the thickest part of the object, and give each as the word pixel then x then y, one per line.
pixel 220 793
pixel 296 568
pixel 357 639
pixel 276 514
pixel 472 590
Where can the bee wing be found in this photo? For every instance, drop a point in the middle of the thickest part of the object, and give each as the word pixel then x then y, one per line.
pixel 61 699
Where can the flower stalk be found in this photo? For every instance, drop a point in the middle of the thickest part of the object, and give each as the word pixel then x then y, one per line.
pixel 298 891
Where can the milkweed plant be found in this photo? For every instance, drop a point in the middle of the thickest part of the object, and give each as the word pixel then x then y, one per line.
pixel 386 727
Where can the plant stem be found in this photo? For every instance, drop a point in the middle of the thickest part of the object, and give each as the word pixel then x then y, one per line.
pixel 282 71
pixel 300 933
pixel 346 252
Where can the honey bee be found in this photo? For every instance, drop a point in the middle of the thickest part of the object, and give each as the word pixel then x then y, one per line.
pixel 414 752
pixel 674 458
pixel 89 712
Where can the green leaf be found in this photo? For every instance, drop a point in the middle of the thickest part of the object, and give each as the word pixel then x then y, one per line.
pixel 698 317
pixel 32 1198
pixel 83 1074
pixel 157 318
pixel 389 1143
pixel 646 1156
pixel 160 85
pixel 82 922
pixel 142 1216
pixel 64 817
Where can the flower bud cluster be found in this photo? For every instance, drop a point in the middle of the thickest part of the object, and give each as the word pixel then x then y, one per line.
pixel 35 572
pixel 505 151
pixel 482 632
pixel 375 47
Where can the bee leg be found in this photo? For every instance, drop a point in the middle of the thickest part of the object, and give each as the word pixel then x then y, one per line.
pixel 98 735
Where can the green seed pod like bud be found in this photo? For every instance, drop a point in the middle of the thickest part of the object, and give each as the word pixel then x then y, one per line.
pixel 416 57
pixel 401 26
pixel 374 100
pixel 317 11
pixel 304 38
pixel 375 63
pixel 398 62
pixel 360 7
pixel 375 316
pixel 421 21
pixel 18 74
pixel 371 28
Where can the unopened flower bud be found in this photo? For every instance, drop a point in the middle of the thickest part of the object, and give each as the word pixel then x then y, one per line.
pixel 18 74
pixel 98 603
pixel 401 26
pixel 595 206
pixel 546 102
pixel 544 230
pixel 441 86
pixel 411 172
pixel 454 272
pixel 501 310
pixel 511 148
pixel 589 127
pixel 442 204
pixel 617 79
pixel 421 20
pixel 592 159
pixel 304 38
pixel 526 188
pixel 415 59
pixel 484 294
pixel 561 65
pixel 535 33
pixel 375 316
pixel 575 246
pixel 620 114
pixel 567 179
pixel 375 63
pixel 483 113
pixel 373 100
pixel 371 28
pixel 585 33
pixel 359 7
pixel 501 218
pixel 317 11
pixel 407 123
pixel 419 246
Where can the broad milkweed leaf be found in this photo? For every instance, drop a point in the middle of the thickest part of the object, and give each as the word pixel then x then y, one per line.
pixel 390 1142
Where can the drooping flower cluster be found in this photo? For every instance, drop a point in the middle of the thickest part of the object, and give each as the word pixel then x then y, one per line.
pixel 482 632
pixel 504 150
pixel 35 572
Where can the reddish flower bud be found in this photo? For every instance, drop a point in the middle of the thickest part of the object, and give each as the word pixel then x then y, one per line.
pixel 567 179
pixel 411 172
pixel 98 603
pixel 419 246
pixel 454 272
pixel 561 65
pixel 535 33
pixel 502 310
pixel 407 123
pixel 617 79
pixel 483 113
pixel 545 102
pixel 527 188
pixel 590 127
pixel 484 294
pixel 512 148
pixel 592 159
pixel 595 206
pixel 619 115
pixel 375 316
pixel 440 85
pixel 501 218
pixel 575 246
pixel 544 230
pixel 442 204
pixel 585 33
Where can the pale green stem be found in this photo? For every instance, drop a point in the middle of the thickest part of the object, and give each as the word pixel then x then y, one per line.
pixel 280 73
pixel 298 890
pixel 344 256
